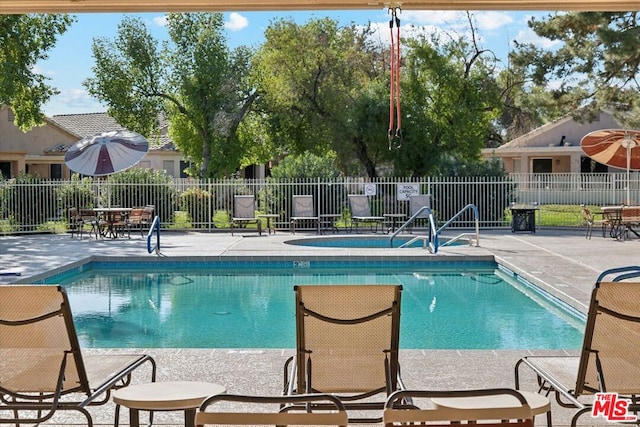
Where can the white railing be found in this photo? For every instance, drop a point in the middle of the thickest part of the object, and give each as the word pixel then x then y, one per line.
pixel 42 206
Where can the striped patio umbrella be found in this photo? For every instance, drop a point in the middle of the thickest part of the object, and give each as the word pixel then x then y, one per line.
pixel 614 147
pixel 106 153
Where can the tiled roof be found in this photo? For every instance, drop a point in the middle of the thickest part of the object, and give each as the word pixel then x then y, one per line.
pixel 87 124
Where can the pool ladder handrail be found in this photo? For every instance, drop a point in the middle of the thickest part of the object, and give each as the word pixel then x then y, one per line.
pixel 471 236
pixel 432 241
pixel 155 226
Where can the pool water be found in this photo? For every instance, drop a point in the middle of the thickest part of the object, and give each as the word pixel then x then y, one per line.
pixel 174 307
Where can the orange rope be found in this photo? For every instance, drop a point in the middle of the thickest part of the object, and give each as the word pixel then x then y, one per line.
pixel 395 134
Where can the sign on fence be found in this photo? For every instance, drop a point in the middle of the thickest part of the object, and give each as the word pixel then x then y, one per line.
pixel 370 189
pixel 405 191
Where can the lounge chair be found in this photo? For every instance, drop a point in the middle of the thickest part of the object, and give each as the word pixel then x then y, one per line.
pixel 508 408
pixel 272 410
pixel 42 369
pixel 417 202
pixel 347 339
pixel 361 212
pixel 610 356
pixel 303 211
pixel 244 212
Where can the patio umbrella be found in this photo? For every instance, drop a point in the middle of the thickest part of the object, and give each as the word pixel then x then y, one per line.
pixel 614 147
pixel 106 153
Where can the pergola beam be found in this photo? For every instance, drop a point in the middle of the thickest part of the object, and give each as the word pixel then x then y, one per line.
pixel 134 6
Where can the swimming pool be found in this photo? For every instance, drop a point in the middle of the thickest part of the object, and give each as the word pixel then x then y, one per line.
pixel 231 304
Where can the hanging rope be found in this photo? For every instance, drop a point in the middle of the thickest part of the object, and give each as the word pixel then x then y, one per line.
pixel 395 129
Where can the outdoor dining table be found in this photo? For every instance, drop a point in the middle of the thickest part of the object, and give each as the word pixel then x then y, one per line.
pixel 622 220
pixel 111 216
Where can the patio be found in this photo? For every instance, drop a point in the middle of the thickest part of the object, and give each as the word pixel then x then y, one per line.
pixel 562 262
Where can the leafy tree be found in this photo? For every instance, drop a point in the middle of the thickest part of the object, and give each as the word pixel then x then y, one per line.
pixel 594 65
pixel 306 165
pixel 450 100
pixel 141 187
pixel 24 40
pixel 193 79
pixel 321 85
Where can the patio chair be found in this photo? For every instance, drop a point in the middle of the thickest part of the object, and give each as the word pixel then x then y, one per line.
pixel 629 221
pixel 303 210
pixel 347 339
pixel 272 410
pixel 135 221
pixel 506 408
pixel 75 222
pixel 244 213
pixel 42 369
pixel 610 356
pixel 592 219
pixel 90 217
pixel 361 211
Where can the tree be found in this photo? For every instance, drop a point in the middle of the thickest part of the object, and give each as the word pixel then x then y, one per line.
pixel 321 91
pixel 594 65
pixel 194 80
pixel 450 100
pixel 24 40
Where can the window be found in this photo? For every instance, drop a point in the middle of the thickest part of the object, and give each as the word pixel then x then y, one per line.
pixel 183 166
pixel 542 166
pixel 55 171
pixel 5 169
pixel 168 167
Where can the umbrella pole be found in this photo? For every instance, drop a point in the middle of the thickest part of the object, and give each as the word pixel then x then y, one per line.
pixel 628 201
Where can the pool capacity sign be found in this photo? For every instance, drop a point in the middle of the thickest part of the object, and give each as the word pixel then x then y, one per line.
pixel 405 191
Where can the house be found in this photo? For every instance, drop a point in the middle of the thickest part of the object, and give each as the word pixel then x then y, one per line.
pixel 553 148
pixel 41 150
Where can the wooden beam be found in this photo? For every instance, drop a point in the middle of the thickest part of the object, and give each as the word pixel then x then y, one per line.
pixel 132 6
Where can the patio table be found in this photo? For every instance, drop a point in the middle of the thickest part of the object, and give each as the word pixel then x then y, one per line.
pixel 112 217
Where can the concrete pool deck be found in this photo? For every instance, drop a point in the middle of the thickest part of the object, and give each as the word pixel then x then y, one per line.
pixel 560 261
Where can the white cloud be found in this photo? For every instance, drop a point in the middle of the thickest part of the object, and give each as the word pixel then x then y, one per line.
pixel 160 21
pixel 236 22
pixel 529 36
pixel 490 21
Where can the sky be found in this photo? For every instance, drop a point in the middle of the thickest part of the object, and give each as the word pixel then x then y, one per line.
pixel 70 61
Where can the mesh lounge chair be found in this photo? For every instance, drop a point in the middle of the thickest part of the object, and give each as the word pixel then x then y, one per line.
pixel 244 212
pixel 361 211
pixel 272 410
pixel 42 369
pixel 417 202
pixel 347 339
pixel 510 408
pixel 303 211
pixel 610 356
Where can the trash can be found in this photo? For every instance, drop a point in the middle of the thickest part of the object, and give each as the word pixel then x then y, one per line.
pixel 523 218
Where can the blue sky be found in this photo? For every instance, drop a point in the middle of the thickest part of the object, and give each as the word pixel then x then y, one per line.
pixel 70 62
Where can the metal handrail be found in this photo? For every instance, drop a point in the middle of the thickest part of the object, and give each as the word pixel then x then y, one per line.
pixel 155 225
pixel 476 215
pixel 431 240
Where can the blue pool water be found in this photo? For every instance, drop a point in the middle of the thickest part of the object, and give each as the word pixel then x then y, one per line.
pixel 251 304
